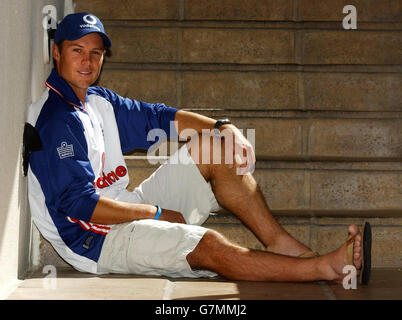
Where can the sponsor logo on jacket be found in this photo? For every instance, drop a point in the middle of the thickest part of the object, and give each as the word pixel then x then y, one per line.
pixel 107 180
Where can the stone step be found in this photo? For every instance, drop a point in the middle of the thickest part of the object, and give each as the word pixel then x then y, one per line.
pixel 269 25
pixel 259 90
pixel 317 188
pixel 321 234
pixel 251 10
pixel 313 136
pixel 138 44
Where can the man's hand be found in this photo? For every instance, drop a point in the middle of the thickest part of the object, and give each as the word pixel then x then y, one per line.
pixel 171 216
pixel 243 151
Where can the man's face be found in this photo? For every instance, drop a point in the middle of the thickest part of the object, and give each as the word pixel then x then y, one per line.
pixel 80 61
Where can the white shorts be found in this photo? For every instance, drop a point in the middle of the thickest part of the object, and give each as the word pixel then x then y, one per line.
pixel 153 247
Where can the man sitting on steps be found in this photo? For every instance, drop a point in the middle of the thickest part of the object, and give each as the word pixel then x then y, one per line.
pixel 78 179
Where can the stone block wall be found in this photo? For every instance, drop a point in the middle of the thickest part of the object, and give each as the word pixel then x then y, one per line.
pixel 325 103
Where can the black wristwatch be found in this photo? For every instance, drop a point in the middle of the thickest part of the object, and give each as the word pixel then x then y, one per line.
pixel 219 123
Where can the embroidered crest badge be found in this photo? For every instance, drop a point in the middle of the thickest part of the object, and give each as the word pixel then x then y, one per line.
pixel 65 150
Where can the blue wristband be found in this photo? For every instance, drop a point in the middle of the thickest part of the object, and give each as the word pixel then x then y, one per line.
pixel 158 213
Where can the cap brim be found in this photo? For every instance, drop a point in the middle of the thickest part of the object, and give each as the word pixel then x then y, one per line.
pixel 106 40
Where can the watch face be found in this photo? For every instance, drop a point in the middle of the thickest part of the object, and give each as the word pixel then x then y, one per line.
pixel 218 124
pixel 221 122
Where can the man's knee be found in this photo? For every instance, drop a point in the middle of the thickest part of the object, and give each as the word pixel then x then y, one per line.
pixel 205 253
pixel 207 149
pixel 209 153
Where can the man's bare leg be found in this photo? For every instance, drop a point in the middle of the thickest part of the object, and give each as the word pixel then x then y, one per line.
pixel 241 195
pixel 216 253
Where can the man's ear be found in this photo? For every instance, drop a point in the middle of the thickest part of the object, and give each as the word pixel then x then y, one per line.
pixel 56 52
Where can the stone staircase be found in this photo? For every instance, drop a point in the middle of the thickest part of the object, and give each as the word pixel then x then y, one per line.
pixel 325 103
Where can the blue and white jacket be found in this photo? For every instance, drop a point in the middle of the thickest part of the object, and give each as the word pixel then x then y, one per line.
pixel 81 159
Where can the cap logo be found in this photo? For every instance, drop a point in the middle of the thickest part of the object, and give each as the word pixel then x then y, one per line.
pixel 89 19
pixel 90 22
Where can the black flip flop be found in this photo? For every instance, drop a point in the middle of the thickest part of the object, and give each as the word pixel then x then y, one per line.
pixel 365 270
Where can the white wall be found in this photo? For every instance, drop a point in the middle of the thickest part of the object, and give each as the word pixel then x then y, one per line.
pixel 22 76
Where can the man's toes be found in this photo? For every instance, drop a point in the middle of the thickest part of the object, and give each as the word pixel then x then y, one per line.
pixel 353 230
pixel 357 250
pixel 357 261
pixel 356 255
pixel 357 247
pixel 357 243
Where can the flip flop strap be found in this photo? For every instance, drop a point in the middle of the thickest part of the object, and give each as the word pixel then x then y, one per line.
pixel 309 254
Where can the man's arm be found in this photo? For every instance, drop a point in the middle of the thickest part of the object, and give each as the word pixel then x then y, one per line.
pixel 186 120
pixel 110 211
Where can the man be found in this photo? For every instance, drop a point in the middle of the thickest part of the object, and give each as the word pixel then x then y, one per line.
pixel 78 180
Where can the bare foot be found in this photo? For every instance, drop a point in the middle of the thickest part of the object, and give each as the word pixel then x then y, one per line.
pixel 337 259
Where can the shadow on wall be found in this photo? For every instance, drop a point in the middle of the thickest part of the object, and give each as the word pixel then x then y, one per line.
pixel 24 74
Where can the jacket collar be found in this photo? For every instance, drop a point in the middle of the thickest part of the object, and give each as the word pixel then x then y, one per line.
pixel 57 84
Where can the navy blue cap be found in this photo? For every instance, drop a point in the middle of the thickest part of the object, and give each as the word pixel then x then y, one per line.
pixel 77 25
